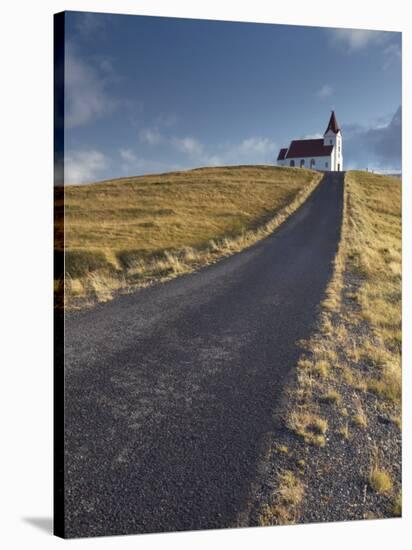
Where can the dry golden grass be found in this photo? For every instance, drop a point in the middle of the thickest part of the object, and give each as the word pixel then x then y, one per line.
pixel 359 419
pixel 343 431
pixel 308 425
pixel 331 397
pixel 380 481
pixel 397 505
pixel 290 488
pixel 128 232
pixel 289 494
pixel 357 347
pixel 374 251
pixel 283 449
pixel 301 464
pixel 322 368
pixel 370 250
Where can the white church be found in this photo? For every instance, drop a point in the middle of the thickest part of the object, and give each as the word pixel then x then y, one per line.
pixel 319 154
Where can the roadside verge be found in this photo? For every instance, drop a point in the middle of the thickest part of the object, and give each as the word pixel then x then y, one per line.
pixel 336 453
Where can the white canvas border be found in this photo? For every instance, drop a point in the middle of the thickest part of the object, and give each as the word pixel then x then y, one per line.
pixel 26 236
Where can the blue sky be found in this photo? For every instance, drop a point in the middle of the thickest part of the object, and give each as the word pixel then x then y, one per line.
pixel 150 94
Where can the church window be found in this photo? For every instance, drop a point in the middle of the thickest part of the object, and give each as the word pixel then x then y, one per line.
pixel 326 164
pixel 302 163
pixel 292 163
pixel 330 141
pixel 312 162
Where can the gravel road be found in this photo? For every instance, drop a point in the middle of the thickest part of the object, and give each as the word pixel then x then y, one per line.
pixel 170 392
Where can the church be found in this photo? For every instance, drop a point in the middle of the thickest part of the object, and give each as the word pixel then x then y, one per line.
pixel 319 154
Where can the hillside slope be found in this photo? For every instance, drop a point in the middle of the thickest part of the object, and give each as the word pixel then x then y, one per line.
pixel 129 232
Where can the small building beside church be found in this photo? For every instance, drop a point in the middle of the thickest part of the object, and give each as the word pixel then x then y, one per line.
pixel 319 154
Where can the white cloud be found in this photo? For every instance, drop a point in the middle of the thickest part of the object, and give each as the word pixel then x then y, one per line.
pixel 356 39
pixel 253 150
pixel 256 145
pixel 188 145
pixel 250 150
pixel 325 91
pixel 128 155
pixel 151 136
pixel 85 86
pixel 194 153
pixel 89 24
pixel 166 120
pixel 84 166
pixel 133 163
pixel 212 160
pixel 392 55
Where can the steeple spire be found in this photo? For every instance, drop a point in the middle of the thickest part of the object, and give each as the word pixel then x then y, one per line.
pixel 333 124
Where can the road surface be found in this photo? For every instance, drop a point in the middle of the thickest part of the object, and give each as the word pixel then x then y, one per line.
pixel 171 392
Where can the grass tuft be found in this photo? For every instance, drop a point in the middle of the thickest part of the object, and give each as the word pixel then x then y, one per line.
pixel 290 488
pixel 343 431
pixel 330 397
pixel 285 501
pixel 397 505
pixel 322 369
pixel 360 419
pixel 309 426
pixel 380 481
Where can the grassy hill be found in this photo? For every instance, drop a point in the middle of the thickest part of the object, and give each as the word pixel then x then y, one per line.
pixel 131 231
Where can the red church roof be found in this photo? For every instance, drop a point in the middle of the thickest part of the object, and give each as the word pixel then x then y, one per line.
pixel 333 124
pixel 308 148
pixel 282 154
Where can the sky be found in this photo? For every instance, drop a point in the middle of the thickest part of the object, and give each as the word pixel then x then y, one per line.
pixel 150 94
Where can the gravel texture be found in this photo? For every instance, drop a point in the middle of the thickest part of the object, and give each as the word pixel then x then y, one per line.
pixel 336 475
pixel 170 392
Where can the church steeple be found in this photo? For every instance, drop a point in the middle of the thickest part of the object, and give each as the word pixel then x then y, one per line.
pixel 333 138
pixel 333 124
